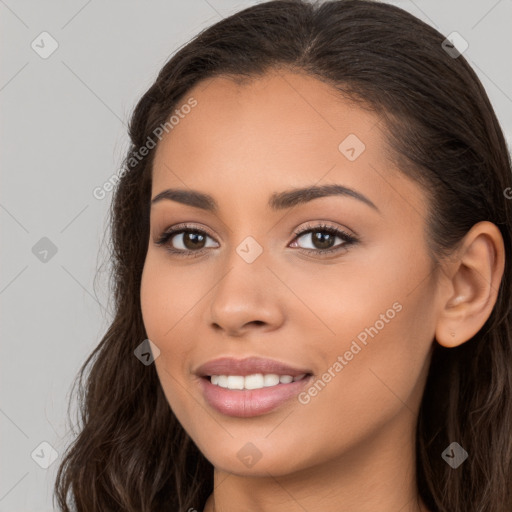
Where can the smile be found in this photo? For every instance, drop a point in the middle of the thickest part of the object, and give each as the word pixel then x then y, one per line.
pixel 230 395
pixel 254 381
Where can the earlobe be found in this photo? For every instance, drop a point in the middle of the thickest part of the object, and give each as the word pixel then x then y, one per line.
pixel 474 278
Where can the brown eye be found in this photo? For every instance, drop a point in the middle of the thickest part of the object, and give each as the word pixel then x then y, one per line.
pixel 184 241
pixel 322 239
pixel 192 240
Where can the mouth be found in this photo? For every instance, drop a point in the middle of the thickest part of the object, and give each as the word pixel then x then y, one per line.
pixel 250 387
pixel 252 395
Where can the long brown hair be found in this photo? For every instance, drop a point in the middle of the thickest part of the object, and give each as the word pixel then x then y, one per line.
pixel 130 452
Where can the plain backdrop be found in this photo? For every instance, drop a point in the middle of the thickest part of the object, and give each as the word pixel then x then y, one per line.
pixel 63 133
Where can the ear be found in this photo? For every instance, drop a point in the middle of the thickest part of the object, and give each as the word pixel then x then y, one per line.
pixel 472 282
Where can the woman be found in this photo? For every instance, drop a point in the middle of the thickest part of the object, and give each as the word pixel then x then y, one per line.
pixel 313 306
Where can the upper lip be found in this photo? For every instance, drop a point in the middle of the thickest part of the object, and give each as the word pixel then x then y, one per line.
pixel 247 366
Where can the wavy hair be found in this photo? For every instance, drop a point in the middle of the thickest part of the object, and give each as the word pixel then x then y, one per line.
pixel 130 452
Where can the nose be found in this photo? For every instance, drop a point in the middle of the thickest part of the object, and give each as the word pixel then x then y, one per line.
pixel 248 296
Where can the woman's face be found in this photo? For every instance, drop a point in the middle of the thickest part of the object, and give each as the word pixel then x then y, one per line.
pixel 359 320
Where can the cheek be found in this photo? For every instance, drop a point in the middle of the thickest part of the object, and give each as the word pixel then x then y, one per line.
pixel 167 295
pixel 164 311
pixel 382 324
pixel 337 303
pixel 375 382
pixel 162 307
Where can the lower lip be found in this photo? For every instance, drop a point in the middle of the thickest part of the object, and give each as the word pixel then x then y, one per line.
pixel 246 403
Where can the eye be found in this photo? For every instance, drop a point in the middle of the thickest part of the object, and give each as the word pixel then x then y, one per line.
pixel 322 238
pixel 187 238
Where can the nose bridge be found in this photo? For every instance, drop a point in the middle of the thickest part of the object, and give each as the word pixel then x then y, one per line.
pixel 244 292
pixel 249 240
pixel 246 269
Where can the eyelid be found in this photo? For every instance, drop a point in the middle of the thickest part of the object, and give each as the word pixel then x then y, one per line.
pixel 184 226
pixel 322 225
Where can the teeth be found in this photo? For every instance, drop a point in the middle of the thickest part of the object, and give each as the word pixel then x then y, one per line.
pixel 254 381
pixel 270 380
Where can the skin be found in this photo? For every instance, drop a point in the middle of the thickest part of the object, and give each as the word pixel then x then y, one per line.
pixel 351 448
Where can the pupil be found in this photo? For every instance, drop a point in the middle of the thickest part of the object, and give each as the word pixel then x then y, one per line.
pixel 323 238
pixel 196 237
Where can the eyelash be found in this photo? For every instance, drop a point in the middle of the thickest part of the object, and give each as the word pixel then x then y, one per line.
pixel 348 239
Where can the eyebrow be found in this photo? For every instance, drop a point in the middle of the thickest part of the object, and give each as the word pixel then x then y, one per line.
pixel 278 200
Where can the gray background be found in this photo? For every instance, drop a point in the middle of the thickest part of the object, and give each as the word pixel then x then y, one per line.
pixel 63 134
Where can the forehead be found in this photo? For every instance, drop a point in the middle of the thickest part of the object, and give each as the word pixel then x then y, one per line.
pixel 279 130
pixel 283 111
